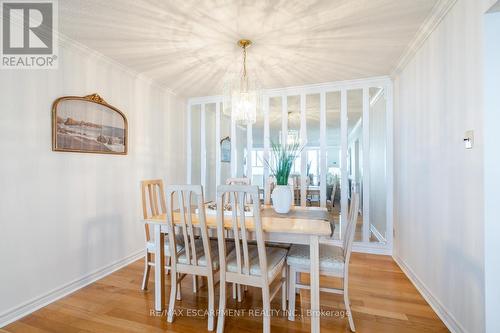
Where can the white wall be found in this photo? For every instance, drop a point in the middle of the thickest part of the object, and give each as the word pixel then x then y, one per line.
pixel 66 215
pixel 438 183
pixel 492 169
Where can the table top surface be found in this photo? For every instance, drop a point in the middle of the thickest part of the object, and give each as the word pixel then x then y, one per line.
pixel 300 220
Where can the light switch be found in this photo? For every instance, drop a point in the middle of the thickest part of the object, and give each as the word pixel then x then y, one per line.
pixel 469 139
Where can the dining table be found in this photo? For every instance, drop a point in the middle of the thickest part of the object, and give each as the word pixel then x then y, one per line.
pixel 302 225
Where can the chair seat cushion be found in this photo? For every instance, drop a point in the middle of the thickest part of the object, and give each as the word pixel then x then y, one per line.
pixel 150 245
pixel 275 260
pixel 200 254
pixel 331 258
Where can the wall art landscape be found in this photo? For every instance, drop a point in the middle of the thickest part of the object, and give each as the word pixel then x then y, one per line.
pixel 88 125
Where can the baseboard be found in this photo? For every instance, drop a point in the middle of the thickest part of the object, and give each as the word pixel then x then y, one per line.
pixel 370 248
pixel 451 323
pixel 377 234
pixel 38 302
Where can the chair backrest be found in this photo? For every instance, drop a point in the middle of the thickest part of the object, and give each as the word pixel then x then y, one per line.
pixel 237 181
pixel 351 226
pixel 153 200
pixel 241 227
pixel 185 231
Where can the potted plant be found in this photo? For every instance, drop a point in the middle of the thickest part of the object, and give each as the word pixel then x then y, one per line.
pixel 283 157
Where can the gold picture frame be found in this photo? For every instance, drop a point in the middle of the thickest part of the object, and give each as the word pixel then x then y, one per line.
pixel 93 126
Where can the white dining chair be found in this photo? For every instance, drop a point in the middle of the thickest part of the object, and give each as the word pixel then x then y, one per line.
pixel 153 204
pixel 237 294
pixel 333 261
pixel 250 265
pixel 198 256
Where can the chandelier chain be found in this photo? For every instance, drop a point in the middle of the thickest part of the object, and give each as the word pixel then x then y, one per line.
pixel 244 61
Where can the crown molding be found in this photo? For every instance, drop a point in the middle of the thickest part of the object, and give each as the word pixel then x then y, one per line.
pixel 439 11
pixel 65 41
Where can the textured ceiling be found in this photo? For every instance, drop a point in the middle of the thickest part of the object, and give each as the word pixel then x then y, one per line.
pixel 190 46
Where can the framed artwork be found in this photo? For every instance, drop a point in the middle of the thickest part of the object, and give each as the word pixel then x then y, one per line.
pixel 225 150
pixel 88 125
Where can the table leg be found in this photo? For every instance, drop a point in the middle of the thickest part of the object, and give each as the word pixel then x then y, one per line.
pixel 159 268
pixel 314 276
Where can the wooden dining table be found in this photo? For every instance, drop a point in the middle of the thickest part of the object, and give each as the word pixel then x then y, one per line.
pixel 302 225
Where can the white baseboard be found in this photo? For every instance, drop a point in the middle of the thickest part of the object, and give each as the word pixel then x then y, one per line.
pixel 377 234
pixel 370 248
pixel 38 302
pixel 447 318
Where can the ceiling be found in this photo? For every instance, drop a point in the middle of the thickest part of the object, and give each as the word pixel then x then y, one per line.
pixel 190 46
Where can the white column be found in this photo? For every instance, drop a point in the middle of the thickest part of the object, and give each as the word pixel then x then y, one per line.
pixel 249 152
pixel 303 156
pixel 217 143
pixel 343 159
pixel 366 164
pixel 233 147
pixel 203 148
pixel 284 119
pixel 265 110
pixel 322 151
pixel 389 162
pixel 189 151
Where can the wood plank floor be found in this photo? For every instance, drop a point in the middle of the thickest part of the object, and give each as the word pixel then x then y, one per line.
pixel 382 298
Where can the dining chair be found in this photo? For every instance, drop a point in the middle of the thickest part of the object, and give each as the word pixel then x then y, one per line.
pixel 237 294
pixel 198 256
pixel 153 204
pixel 250 265
pixel 333 261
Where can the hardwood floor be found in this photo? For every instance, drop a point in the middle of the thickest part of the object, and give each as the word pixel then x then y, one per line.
pixel 383 300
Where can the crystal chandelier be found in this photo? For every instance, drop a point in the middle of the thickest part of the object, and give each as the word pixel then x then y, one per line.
pixel 242 93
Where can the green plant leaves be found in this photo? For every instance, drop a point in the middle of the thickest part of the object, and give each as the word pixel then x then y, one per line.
pixel 283 157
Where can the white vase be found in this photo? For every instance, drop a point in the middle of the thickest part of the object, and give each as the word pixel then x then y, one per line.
pixel 282 199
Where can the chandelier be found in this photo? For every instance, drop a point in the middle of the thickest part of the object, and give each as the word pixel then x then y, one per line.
pixel 242 93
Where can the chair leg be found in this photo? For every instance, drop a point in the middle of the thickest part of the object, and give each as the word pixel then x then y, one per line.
pixel 222 303
pixel 195 284
pixel 297 280
pixel 211 302
pixel 287 279
pixel 173 293
pixel 238 290
pixel 179 293
pixel 168 262
pixel 291 293
pixel 348 306
pixel 201 282
pixel 284 283
pixel 266 307
pixel 147 268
